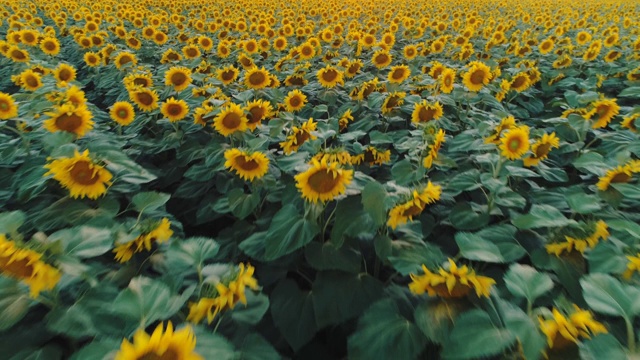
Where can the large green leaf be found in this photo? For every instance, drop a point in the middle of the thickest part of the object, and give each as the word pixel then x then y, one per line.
pixel 474 336
pixel 84 241
pixel 384 334
pixel 293 314
pixel 251 313
pixel 602 346
pixel 606 295
pixel 288 232
pixel 464 217
pixel 373 196
pixel 14 303
pixel 436 317
pixel 524 328
pixel 191 253
pixel 526 282
pixel 241 204
pixel 149 201
pixel 11 221
pixel 541 216
pixel 327 257
pixel 473 247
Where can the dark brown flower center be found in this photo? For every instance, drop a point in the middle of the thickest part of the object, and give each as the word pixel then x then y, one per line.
pixel 324 181
pixel 426 113
pixel 231 121
pixel 397 74
pixel 257 78
pixel 82 173
pixel 170 354
pixel 19 268
pixel 295 101
pixel 68 122
pixel 174 109
pixel 477 77
pixel 145 98
pixel 247 165
pixel 256 114
pixel 32 81
pixel 178 78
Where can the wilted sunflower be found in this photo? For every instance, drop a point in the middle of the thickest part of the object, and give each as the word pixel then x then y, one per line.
pixel 162 344
pixel 257 111
pixel 398 74
pixel 298 136
pixel 8 107
pixel 27 266
pixel 81 175
pixel 295 100
pixel 447 79
pixel 174 110
pixel 520 82
pixel 179 77
pixel 323 181
pixel 381 59
pixel 372 156
pixel 145 99
pixel 248 165
pixel 30 80
pixel 477 76
pixel 452 283
pixel 541 149
pixel 50 46
pixel 230 119
pixel 122 112
pixel 228 74
pixel 603 111
pixel 69 118
pixel 394 100
pixel 562 331
pixel 329 77
pixel 515 142
pixel 257 78
pixel 424 112
pixel 404 212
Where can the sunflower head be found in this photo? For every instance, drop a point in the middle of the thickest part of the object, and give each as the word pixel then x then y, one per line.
pixel 228 74
pixel 123 113
pixel 425 112
pixel 231 119
pixel 295 100
pixel 179 77
pixel 162 344
pixel 81 175
pixel 8 107
pixel 248 165
pixel 477 76
pixel 398 74
pixel 174 110
pixel 257 78
pixel 69 118
pixel 257 111
pixel 381 59
pixel 515 142
pixel 323 181
pixel 330 76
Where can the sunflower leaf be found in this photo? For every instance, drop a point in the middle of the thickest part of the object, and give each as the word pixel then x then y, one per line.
pixel 474 336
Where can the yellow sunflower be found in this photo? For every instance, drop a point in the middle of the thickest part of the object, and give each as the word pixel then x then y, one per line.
pixel 50 46
pixel 583 37
pixel 81 175
pixel 248 165
pixel 515 142
pixel 298 136
pixel 404 212
pixel 620 174
pixel 230 119
pixel 354 68
pixel 628 122
pixel 410 52
pixel 153 232
pixel 69 118
pixel 123 113
pixel 562 331
pixel 398 74
pixel 257 111
pixel 447 79
pixel 381 59
pixel 30 80
pixel 174 110
pixel 520 82
pixel 546 46
pixel 8 107
pixel 123 58
pixel 633 266
pixel 394 100
pixel 424 112
pixel 138 79
pixel 169 56
pixel 179 77
pixel 17 55
pixel 434 149
pixel 162 344
pixel 228 74
pixel 323 181
pixel 604 110
pixel 600 232
pixel 329 77
pixel 455 282
pixel 191 52
pixel 541 149
pixel 345 119
pixel 295 100
pixel 562 62
pixel 91 59
pixel 145 99
pixel 27 266
pixel 256 78
pixel 477 76
pixel 64 73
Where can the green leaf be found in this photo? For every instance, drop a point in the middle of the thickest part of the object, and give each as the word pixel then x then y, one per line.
pixel 591 162
pixel 84 241
pixel 14 303
pixel 149 201
pixel 339 296
pixel 520 172
pixel 351 220
pixel 465 181
pixel 541 216
pixel 252 313
pixel 436 317
pixel 293 314
pixel 288 232
pixel 474 336
pixel 504 237
pixel 98 350
pixel 74 321
pixel 255 347
pixel 524 328
pixel 606 295
pixel 290 163
pixel 607 258
pixel 473 247
pixel 325 256
pixel 632 92
pixel 373 196
pixel 408 258
pixel 213 346
pixel 241 204
pixel 629 191
pixel 526 282
pixel 463 217
pixel 384 334
pixel 553 174
pixel 11 221
pixel 190 253
pixel 602 346
pixel 627 226
pixel 582 203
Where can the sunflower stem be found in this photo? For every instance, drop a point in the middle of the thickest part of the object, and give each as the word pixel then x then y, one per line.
pixel 326 223
pixel 631 337
pixel 496 170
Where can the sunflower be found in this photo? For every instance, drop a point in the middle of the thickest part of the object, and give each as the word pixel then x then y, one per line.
pixel 546 46
pixel 394 100
pixel 162 344
pixel 179 77
pixel 27 266
pixel 515 142
pixel 174 110
pixel 160 38
pixel 29 37
pixel 353 68
pixel 628 122
pixel 145 99
pixel 435 70
pixel 633 266
pixel 604 110
pixel 18 55
pixel 81 175
pixel 410 52
pixel 583 37
pixel 562 331
pixel 50 46
pixel 122 112
pixel 381 59
pixel 91 59
pixel 424 112
pixel 298 136
pixel 257 78
pixel 69 118
pixel 30 80
pixel 434 149
pixel 541 149
pixel 452 283
pixel 612 56
pixel 228 74
pixel 153 232
pixel 600 231
pixel 323 181
pixel 124 58
pixel 447 79
pixel 257 111
pixel 562 62
pixel 345 119
pixel 329 77
pixel 170 55
pixel 248 165
pixel 477 76
pixel 398 74
pixel 230 119
pixel 306 51
pixel 404 212
pixel 520 82
pixel 620 174
pixel 367 88
pixel 138 79
pixel 338 155
pixel 295 100
pixel 8 107
pixel 64 73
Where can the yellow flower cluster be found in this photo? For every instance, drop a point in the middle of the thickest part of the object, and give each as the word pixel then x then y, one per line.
pixel 162 344
pixel 144 242
pixel 562 331
pixel 453 283
pixel 580 245
pixel 404 212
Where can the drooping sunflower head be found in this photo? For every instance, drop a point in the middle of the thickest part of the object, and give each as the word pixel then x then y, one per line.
pixel 628 122
pixel 298 136
pixel 257 111
pixel 248 165
pixel 515 142
pixel 179 77
pixel 394 100
pixel 424 112
pixel 174 110
pixel 330 76
pixel 162 344
pixel 122 112
pixel 603 111
pixel 69 118
pixel 230 120
pixel 455 282
pixel 398 74
pixel 81 175
pixel 257 78
pixel 323 181
pixel 295 100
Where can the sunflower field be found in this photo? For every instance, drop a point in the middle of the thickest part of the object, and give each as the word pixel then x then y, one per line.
pixel 188 179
